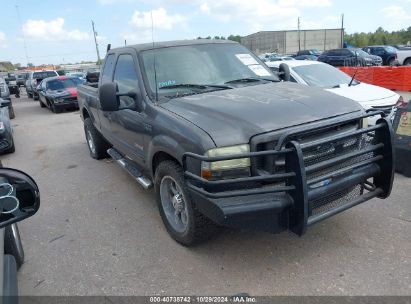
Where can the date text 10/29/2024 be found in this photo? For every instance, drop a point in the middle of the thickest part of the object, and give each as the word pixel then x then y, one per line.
pixel 203 299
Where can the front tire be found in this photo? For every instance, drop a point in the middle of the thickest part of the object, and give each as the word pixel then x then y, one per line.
pixel 11 113
pixel 13 244
pixel 182 219
pixel 95 142
pixel 42 104
pixel 407 62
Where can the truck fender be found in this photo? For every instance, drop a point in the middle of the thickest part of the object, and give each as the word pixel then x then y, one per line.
pixel 164 144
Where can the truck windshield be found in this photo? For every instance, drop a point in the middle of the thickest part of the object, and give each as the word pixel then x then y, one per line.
pixel 202 68
pixel 322 75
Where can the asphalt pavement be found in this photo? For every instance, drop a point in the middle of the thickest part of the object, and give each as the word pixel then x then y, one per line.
pixel 99 233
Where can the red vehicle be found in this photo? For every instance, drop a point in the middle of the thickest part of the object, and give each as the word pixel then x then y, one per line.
pixel 58 93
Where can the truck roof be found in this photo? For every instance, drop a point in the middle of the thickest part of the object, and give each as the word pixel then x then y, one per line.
pixel 164 44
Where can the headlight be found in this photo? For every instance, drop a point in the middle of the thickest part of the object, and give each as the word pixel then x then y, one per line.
pixel 2 128
pixel 226 168
pixel 365 122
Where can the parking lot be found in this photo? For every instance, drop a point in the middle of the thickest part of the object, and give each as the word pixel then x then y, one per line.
pixel 98 232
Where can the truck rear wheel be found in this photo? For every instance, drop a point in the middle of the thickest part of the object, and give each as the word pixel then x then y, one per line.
pixel 182 219
pixel 96 143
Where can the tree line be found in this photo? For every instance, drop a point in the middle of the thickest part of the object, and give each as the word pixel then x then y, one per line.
pixel 236 38
pixel 379 37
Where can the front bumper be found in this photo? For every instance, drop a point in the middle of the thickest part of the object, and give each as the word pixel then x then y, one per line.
pixel 66 104
pixel 6 142
pixel 295 199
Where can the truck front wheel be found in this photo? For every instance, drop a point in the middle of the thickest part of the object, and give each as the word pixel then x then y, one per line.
pixel 182 219
pixel 96 143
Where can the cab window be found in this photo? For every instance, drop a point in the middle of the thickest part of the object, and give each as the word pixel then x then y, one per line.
pixel 125 76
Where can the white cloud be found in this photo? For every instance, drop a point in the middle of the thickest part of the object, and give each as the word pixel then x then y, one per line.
pixel 109 2
pixel 258 14
pixel 305 3
pixel 161 19
pixel 52 30
pixel 396 17
pixel 140 37
pixel 395 11
pixel 3 43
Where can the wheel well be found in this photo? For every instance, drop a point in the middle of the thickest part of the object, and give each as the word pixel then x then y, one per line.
pixel 160 157
pixel 407 59
pixel 85 114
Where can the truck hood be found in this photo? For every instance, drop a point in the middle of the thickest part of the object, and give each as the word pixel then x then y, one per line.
pixel 233 116
pixel 367 95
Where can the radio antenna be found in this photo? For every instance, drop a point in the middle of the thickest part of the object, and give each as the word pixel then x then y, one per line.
pixel 154 55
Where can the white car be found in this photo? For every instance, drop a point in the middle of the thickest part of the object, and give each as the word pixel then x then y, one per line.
pixel 404 56
pixel 319 74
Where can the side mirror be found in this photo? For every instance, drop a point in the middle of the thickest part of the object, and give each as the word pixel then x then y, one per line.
pixel 4 103
pixel 284 72
pixel 137 99
pixel 108 96
pixel 19 196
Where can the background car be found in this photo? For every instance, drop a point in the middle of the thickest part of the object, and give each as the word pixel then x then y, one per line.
pixel 80 75
pixel 305 57
pixel 21 79
pixel 4 89
pixel 318 74
pixel 58 93
pixel 312 52
pixel 11 81
pixel 277 57
pixel 6 132
pixel 403 55
pixel 34 80
pixel 387 53
pixel 349 57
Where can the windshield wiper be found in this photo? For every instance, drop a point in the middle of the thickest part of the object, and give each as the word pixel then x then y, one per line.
pixel 250 79
pixel 196 86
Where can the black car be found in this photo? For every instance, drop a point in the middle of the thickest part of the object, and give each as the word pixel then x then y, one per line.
pixel 6 133
pixel 387 53
pixel 58 93
pixel 349 57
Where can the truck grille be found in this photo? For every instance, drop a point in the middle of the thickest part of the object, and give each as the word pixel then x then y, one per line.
pixel 3 144
pixel 326 163
pixel 335 200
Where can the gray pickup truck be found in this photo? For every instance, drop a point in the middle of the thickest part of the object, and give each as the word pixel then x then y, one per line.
pixel 225 142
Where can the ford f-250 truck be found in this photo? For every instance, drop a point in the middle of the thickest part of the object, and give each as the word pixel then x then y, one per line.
pixel 225 143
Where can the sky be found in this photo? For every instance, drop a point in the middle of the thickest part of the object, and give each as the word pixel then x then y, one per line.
pixel 58 32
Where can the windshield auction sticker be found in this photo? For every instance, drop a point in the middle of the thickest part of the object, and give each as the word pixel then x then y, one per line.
pixel 404 127
pixel 259 70
pixel 246 59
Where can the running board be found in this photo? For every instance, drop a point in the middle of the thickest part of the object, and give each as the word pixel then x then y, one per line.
pixel 130 168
